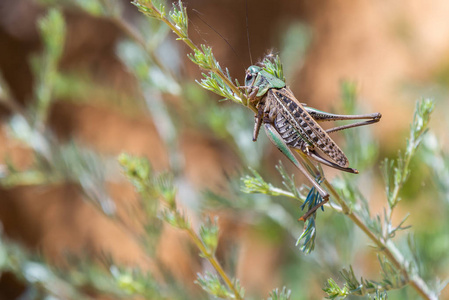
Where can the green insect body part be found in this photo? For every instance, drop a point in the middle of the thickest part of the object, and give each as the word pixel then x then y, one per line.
pixel 264 81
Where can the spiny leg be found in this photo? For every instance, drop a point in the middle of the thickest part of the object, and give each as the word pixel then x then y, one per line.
pixel 279 142
pixel 358 124
pixel 304 148
pixel 311 153
pixel 313 210
pixel 320 116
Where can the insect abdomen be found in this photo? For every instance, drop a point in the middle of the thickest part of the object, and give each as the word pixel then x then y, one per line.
pixel 291 136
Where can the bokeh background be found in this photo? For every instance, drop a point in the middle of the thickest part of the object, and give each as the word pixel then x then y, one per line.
pixel 395 52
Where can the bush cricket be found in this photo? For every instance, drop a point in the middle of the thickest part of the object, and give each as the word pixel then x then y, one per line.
pixel 291 125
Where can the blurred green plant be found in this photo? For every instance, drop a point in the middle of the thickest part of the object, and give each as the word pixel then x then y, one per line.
pixel 207 239
pixel 52 29
pixel 54 162
pixel 277 294
pixel 41 280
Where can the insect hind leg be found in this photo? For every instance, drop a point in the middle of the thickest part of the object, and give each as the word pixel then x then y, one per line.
pixel 321 116
pixel 357 124
pixel 279 142
pixel 313 154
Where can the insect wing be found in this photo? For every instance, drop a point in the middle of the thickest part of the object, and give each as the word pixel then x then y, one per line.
pixel 307 127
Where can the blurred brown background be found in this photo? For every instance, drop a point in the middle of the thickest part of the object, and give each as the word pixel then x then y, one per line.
pixel 396 51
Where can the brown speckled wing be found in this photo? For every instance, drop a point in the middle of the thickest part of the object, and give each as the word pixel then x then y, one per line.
pixel 299 118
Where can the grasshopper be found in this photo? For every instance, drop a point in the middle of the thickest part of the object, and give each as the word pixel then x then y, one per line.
pixel 291 125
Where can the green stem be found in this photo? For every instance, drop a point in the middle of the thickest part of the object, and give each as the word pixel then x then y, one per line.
pixel 387 247
pixel 395 194
pixel 214 262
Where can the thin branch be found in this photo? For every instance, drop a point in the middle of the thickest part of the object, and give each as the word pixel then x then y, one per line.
pixel 387 247
pixel 214 262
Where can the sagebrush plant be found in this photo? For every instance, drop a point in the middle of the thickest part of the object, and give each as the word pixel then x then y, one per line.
pixel 398 266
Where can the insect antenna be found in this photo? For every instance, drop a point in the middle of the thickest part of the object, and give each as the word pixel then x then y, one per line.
pixel 247 33
pixel 220 35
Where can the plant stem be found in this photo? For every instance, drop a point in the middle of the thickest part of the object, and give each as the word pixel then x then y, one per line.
pixel 386 246
pixel 214 262
pixel 393 200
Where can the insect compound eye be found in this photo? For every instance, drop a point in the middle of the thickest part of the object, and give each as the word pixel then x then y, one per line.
pixel 248 77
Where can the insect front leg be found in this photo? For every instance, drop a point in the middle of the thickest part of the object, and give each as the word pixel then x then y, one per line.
pixel 253 90
pixel 258 122
pixel 279 142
